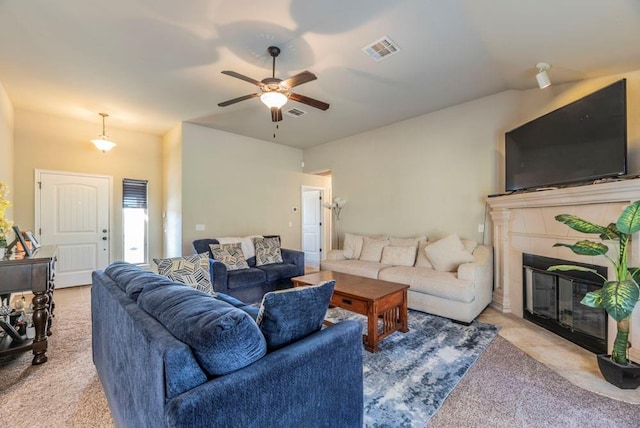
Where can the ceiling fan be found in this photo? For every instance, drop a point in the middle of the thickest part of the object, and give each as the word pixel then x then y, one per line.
pixel 274 92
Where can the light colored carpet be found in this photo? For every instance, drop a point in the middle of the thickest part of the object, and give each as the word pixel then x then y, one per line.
pixel 504 388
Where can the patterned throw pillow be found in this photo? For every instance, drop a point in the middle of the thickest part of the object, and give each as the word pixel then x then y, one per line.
pixel 230 254
pixel 190 270
pixel 267 251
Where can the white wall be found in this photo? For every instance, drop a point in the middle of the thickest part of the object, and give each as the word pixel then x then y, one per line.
pixel 235 185
pixel 49 142
pixel 6 145
pixel 426 175
pixel 172 191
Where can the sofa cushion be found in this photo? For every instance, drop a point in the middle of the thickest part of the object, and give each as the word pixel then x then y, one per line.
pixel 278 271
pixel 398 256
pixel 122 273
pixel 469 244
pixel 144 279
pixel 267 251
pixel 448 253
pixel 223 338
pixel 406 242
pixel 231 255
pixel 421 257
pixel 190 270
pixel 245 278
pixel 236 303
pixel 286 316
pixel 372 249
pixel 352 246
pixel 428 281
pixel 354 267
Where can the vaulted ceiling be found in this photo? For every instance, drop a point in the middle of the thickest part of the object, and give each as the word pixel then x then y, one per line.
pixel 151 64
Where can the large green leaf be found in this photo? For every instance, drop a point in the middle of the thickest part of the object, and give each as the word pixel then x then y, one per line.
pixel 586 248
pixel 565 268
pixel 612 233
pixel 576 223
pixel 629 220
pixel 593 299
pixel 619 298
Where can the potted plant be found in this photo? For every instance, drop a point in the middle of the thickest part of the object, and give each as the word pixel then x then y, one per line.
pixel 618 297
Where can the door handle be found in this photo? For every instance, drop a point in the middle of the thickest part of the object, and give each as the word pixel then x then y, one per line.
pixel 104 238
pixel 104 230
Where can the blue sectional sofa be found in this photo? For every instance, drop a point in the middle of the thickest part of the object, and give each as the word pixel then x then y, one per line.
pixel 249 285
pixel 172 356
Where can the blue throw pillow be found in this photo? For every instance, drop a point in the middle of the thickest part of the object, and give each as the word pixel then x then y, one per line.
pixel 223 338
pixel 289 315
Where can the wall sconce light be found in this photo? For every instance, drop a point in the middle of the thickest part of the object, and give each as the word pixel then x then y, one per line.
pixel 542 77
pixel 102 143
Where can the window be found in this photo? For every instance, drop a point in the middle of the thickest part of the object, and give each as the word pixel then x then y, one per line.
pixel 134 220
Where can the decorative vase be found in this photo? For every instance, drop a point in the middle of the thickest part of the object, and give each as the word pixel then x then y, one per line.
pixel 622 376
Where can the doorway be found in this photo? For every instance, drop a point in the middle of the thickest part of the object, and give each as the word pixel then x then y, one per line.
pixel 72 211
pixel 312 227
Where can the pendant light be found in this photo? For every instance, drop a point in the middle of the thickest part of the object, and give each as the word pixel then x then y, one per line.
pixel 102 143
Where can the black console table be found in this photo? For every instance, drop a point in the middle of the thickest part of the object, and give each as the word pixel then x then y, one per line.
pixel 33 273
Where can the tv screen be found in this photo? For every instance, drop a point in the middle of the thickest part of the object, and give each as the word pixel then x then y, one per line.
pixel 580 142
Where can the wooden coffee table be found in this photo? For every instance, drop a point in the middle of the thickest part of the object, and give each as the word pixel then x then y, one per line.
pixel 374 298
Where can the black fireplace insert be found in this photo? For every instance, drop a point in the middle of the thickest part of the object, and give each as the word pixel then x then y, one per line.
pixel 552 300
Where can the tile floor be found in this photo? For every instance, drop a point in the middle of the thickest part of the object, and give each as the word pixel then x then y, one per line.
pixel 574 363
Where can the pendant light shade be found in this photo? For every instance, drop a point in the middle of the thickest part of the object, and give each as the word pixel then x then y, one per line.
pixel 103 143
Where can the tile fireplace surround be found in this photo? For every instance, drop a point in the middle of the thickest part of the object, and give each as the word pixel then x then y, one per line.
pixel 525 223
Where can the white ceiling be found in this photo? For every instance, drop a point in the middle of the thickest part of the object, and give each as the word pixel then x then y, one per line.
pixel 151 64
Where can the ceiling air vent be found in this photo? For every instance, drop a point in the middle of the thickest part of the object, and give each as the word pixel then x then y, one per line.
pixel 381 49
pixel 295 112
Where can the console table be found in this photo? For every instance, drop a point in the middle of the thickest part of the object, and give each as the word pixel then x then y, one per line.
pixel 33 273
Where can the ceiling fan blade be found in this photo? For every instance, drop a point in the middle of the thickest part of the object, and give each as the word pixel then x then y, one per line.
pixel 237 100
pixel 308 101
pixel 243 77
pixel 298 79
pixel 276 114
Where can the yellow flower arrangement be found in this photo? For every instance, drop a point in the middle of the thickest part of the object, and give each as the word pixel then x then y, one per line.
pixel 5 225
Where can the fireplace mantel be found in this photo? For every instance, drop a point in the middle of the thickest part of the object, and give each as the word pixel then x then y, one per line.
pixel 525 223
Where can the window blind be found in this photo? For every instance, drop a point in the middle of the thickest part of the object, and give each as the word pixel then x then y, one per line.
pixel 134 193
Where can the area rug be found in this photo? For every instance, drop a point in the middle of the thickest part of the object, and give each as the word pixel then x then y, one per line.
pixel 407 381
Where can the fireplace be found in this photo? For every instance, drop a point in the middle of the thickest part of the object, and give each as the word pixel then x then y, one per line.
pixel 552 300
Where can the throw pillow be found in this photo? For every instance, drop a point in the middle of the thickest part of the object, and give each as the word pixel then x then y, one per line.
pixel 398 256
pixel 267 251
pixel 448 253
pixel 289 315
pixel 469 244
pixel 372 249
pixel 352 246
pixel 231 255
pixel 190 270
pixel 421 258
pixel 247 244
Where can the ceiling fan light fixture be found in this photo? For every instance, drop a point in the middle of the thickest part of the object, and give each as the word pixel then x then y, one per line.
pixel 102 143
pixel 274 99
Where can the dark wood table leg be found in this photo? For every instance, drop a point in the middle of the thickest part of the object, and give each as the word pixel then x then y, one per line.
pixel 52 307
pixel 404 314
pixel 371 341
pixel 40 321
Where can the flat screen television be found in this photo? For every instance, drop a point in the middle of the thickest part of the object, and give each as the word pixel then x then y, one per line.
pixel 580 142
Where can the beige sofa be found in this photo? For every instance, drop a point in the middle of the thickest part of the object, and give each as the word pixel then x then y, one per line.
pixel 453 279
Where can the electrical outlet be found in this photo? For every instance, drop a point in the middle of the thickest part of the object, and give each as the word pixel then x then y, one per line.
pixel 481 228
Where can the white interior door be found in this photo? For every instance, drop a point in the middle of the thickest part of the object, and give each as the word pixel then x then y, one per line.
pixel 312 226
pixel 72 212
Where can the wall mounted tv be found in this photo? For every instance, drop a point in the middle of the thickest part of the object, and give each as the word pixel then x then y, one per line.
pixel 580 142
